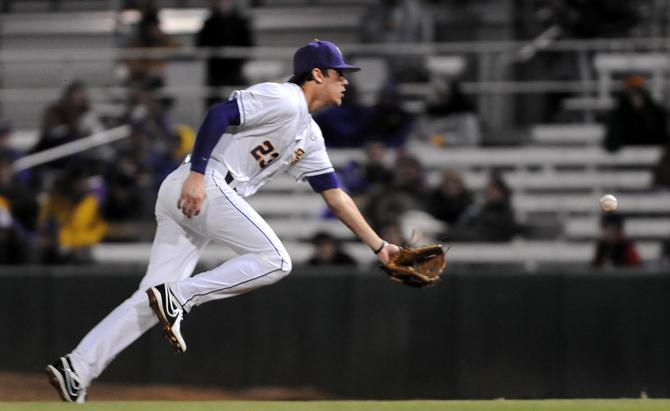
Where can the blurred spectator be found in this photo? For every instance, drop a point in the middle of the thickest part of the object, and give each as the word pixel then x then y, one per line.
pixel 392 232
pixel 492 221
pixel 125 197
pixel 449 200
pixel 406 191
pixel 360 178
pixel 128 205
pixel 138 4
pixel 152 111
pixel 328 251
pixel 139 168
pixel 665 253
pixel 70 223
pixel 225 26
pixel 408 177
pixel 7 151
pixel 181 144
pixel 68 119
pixel 589 18
pixel 149 71
pixel 448 98
pixel 636 119
pixel 144 155
pixel 133 180
pixel 20 199
pixel 5 141
pixel 345 125
pixel 12 245
pixel 450 117
pixel 18 213
pixel 399 21
pixel 662 169
pixel 613 247
pixel 389 122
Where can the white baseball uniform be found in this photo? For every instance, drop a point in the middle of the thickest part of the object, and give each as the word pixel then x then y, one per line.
pixel 276 134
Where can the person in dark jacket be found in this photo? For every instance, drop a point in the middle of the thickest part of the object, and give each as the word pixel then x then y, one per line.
pixel 636 119
pixel 225 26
pixel 613 246
pixel 662 169
pixel 450 198
pixel 328 251
pixel 491 221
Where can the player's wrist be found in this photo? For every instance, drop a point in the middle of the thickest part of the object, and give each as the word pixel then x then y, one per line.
pixel 197 174
pixel 381 247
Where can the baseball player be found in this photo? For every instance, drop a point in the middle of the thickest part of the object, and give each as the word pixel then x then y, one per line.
pixel 242 144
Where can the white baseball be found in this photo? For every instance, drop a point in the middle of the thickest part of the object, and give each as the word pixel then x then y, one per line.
pixel 608 203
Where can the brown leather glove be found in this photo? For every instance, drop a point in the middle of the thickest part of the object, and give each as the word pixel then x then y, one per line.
pixel 417 266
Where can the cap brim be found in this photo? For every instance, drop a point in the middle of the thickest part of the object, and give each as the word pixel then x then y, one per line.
pixel 346 68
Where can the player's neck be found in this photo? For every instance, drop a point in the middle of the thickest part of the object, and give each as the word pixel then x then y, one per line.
pixel 311 96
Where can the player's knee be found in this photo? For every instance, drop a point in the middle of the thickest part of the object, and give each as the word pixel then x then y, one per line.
pixel 286 266
pixel 280 265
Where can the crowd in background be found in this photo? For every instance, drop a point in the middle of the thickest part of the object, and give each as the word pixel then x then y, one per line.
pixel 57 212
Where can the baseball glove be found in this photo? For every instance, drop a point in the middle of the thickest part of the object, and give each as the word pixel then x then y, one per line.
pixel 417 266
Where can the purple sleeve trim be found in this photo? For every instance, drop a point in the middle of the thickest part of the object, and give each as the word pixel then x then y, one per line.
pixel 216 122
pixel 323 182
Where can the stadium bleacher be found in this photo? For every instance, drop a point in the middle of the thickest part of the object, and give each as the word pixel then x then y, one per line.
pixel 561 173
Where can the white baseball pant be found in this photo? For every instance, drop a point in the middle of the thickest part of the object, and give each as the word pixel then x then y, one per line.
pixel 225 218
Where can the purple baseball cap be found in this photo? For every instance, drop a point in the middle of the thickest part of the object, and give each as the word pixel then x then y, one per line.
pixel 320 54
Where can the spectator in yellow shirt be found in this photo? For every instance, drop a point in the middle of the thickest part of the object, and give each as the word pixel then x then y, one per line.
pixel 70 222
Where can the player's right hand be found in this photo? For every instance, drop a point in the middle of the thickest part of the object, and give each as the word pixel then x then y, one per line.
pixel 192 194
pixel 387 252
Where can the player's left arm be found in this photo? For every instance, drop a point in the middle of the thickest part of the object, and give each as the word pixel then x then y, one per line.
pixel 216 121
pixel 346 210
pixel 316 168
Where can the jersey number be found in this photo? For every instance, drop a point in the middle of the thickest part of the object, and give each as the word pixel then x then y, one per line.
pixel 261 153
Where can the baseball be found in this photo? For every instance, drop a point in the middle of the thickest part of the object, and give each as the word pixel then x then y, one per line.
pixel 608 203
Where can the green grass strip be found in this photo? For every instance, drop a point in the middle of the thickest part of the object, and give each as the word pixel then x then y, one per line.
pixel 495 405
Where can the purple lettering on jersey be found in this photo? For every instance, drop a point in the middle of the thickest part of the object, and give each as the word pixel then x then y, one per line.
pixel 217 120
pixel 323 182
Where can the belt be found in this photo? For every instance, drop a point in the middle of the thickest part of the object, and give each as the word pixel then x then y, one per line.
pixel 229 177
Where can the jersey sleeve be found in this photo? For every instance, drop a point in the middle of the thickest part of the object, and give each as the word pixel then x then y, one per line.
pixel 315 160
pixel 264 104
pixel 216 121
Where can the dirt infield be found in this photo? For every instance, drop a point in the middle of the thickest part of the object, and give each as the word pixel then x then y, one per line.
pixel 35 387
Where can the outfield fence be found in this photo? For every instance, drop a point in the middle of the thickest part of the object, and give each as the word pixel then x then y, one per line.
pixel 484 332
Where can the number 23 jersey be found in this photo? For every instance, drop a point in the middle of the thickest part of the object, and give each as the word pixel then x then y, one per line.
pixel 276 134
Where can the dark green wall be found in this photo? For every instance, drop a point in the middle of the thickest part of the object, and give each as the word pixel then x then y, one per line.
pixel 481 333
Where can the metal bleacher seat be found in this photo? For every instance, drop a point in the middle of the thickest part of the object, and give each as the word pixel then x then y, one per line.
pixel 587 103
pixel 449 66
pixel 579 228
pixel 625 180
pixel 567 134
pixel 308 204
pixel 649 203
pixel 567 180
pixel 518 157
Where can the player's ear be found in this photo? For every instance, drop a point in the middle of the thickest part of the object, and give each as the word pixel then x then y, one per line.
pixel 317 75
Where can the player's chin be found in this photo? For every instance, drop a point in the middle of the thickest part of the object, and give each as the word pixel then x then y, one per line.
pixel 337 101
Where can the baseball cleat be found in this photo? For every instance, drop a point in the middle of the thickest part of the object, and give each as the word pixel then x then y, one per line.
pixel 66 381
pixel 170 313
